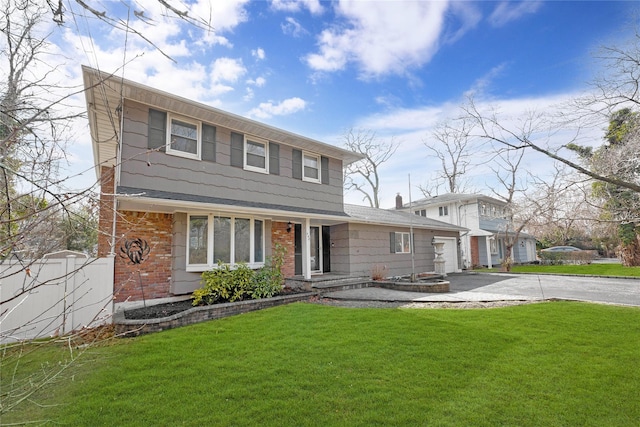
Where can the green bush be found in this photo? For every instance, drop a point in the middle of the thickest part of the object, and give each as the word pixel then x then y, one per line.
pixel 226 284
pixel 268 280
pixel 560 258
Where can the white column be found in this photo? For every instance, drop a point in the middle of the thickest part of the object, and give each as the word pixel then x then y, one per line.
pixel 488 242
pixel 306 248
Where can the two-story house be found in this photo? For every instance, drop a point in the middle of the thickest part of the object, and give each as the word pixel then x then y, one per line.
pixel 488 222
pixel 185 186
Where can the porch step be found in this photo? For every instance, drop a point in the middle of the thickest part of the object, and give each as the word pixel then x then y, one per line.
pixel 324 284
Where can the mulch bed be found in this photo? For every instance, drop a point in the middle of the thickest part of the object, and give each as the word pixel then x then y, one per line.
pixel 159 311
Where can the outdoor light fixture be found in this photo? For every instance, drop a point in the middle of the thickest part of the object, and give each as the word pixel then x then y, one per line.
pixel 433 240
pixel 289 225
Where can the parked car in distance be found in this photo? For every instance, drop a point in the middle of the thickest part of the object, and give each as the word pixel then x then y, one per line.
pixel 561 249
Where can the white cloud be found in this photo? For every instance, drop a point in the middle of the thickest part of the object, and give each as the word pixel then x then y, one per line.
pixel 227 70
pixel 258 53
pixel 259 82
pixel 293 28
pixel 413 127
pixel 508 11
pixel 286 107
pixel 381 37
pixel 312 6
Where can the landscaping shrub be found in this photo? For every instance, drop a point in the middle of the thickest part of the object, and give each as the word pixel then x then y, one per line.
pixel 559 258
pixel 268 281
pixel 226 284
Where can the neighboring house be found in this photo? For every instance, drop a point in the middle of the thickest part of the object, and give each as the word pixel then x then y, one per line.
pixel 185 186
pixel 487 220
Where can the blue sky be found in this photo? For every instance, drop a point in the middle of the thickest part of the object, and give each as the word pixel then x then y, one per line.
pixel 320 68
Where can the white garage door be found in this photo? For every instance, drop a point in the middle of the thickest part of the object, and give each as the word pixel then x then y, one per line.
pixel 450 254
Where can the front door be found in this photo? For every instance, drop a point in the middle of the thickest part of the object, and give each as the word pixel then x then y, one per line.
pixel 320 247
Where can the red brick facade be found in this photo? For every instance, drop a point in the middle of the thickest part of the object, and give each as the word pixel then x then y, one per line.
pixel 105 224
pixel 151 278
pixel 475 254
pixel 279 234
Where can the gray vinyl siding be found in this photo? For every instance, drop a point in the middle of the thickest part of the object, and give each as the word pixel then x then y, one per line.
pixel 359 247
pixel 185 282
pixel 182 282
pixel 165 172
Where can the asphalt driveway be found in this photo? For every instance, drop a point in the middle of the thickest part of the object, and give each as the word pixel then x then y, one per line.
pixel 505 287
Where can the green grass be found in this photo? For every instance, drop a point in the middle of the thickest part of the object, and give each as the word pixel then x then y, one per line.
pixel 547 364
pixel 587 269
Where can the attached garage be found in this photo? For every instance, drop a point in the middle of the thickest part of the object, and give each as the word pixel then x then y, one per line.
pixel 450 254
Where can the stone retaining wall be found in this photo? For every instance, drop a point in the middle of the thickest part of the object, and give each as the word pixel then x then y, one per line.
pixel 135 327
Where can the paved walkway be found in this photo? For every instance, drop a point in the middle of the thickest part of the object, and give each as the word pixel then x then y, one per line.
pixel 512 287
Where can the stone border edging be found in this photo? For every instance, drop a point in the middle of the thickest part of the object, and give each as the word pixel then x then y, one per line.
pixel 134 327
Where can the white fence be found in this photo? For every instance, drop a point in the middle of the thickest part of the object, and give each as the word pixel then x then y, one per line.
pixel 54 296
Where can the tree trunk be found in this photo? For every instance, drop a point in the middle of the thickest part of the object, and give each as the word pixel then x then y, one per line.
pixel 507 262
pixel 630 253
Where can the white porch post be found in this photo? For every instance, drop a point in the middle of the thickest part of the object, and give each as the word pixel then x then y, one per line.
pixel 488 243
pixel 306 248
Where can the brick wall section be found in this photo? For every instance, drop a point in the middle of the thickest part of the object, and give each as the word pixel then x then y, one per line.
pixel 152 277
pixel 475 254
pixel 280 235
pixel 105 224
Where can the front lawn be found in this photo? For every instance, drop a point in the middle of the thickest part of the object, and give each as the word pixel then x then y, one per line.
pixel 587 269
pixel 546 364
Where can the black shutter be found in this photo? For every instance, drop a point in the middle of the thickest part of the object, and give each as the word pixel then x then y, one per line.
pixel 274 158
pixel 296 166
pixel 392 242
pixel 208 143
pixel 157 132
pixel 237 150
pixel 324 173
pixel 326 249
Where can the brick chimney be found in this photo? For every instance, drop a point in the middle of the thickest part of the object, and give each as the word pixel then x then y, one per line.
pixel 398 201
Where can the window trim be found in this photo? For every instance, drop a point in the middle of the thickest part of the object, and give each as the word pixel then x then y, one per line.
pixel 443 210
pixel 408 236
pixel 265 144
pixel 179 153
pixel 318 159
pixel 212 263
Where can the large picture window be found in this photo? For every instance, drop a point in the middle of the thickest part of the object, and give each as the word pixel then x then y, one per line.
pixel 184 137
pixel 226 239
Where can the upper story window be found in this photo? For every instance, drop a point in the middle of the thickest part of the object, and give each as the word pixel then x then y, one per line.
pixel 421 212
pixel 493 211
pixel 311 167
pixel 256 155
pixel 443 210
pixel 483 209
pixel 181 136
pixel 184 137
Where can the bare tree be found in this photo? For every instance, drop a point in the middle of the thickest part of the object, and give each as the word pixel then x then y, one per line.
pixel 617 87
pixel 451 145
pixel 569 213
pixel 36 203
pixel 363 176
pixel 520 209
